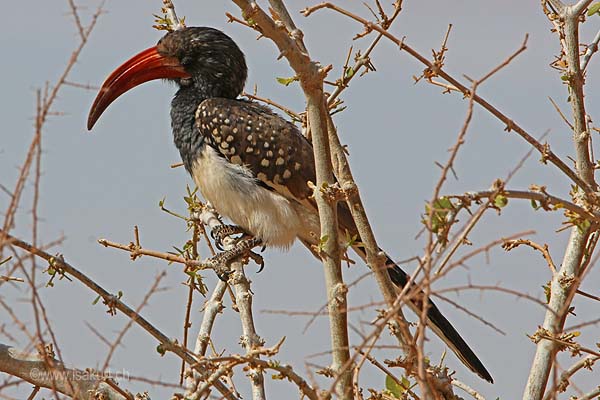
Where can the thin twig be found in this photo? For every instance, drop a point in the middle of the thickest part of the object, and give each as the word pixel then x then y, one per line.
pixel 130 323
pixel 476 395
pixel 562 384
pixel 285 109
pixel 510 124
pixel 591 49
pixel 115 303
pixel 46 109
pixel 511 244
pixel 561 114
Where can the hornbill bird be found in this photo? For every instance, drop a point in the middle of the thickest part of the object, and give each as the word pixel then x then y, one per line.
pixel 249 163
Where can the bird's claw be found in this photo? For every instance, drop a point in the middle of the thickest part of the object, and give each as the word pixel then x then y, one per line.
pixel 220 262
pixel 257 258
pixel 220 232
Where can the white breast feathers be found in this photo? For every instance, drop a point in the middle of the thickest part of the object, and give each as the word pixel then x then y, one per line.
pixel 235 193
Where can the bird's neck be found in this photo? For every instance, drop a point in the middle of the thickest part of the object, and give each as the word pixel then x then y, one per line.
pixel 187 138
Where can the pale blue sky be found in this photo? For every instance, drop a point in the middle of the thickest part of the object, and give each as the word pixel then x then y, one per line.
pixel 102 184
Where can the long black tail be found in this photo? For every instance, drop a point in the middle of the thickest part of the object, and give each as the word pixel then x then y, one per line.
pixel 437 322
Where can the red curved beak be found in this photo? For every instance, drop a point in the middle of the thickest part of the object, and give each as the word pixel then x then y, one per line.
pixel 143 67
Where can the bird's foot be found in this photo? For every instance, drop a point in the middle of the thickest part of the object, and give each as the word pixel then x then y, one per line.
pixel 220 262
pixel 257 258
pixel 220 232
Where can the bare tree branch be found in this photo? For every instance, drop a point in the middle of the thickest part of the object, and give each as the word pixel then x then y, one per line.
pixel 311 79
pixel 116 304
pixel 243 294
pixel 544 150
pixel 566 281
pixel 82 384
pixel 591 49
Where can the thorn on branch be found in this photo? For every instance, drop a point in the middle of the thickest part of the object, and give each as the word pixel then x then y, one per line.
pixel 55 269
pixel 111 302
pixel 231 18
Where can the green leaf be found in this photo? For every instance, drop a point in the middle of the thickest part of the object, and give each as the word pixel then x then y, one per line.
pixel 500 201
pixel 405 382
pixel 535 205
pixel 546 288
pixel 443 203
pixel 351 240
pixel 322 242
pixel 287 81
pixel 278 377
pixel 584 225
pixel 188 246
pixel 441 207
pixel 96 300
pixel 349 72
pixel 248 19
pixel 593 9
pixel 179 251
pixel 161 350
pixel 393 387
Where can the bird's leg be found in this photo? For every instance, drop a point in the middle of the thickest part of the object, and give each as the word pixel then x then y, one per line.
pixel 220 232
pixel 257 258
pixel 242 248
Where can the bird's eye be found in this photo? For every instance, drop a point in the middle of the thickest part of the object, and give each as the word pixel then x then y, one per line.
pixel 186 60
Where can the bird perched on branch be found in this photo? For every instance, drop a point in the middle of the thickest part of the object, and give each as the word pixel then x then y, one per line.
pixel 253 166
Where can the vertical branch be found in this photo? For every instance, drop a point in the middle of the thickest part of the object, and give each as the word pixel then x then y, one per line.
pixel 330 254
pixel 250 339
pixel 375 259
pixel 38 173
pixel 191 283
pixel 212 307
pixel 311 79
pixel 243 296
pixel 576 82
pixel 285 17
pixel 566 281
pixel 562 290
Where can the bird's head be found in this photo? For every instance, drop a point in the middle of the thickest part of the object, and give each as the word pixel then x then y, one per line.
pixel 198 59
